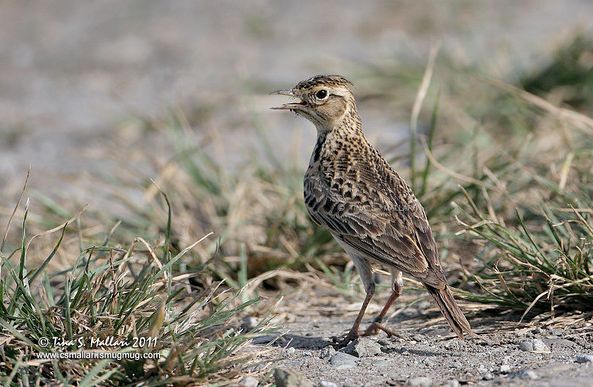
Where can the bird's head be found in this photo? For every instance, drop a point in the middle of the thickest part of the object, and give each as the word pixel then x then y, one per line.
pixel 325 100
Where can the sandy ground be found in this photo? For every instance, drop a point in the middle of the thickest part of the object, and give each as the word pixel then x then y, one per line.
pixel 550 352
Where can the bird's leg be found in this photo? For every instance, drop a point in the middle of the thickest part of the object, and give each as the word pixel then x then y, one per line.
pixel 375 326
pixel 353 334
pixel 366 275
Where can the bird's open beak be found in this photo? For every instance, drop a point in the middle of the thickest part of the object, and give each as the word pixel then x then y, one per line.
pixel 288 106
pixel 287 92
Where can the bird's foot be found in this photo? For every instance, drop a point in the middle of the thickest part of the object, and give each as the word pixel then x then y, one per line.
pixel 351 336
pixel 375 327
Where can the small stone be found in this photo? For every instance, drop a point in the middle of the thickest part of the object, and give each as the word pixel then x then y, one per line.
pixel 290 378
pixel 488 376
pixel 290 350
pixel 249 323
pixel 540 347
pixel 534 345
pixel 341 360
pixel 505 368
pixel 526 345
pixel 327 352
pixel 366 347
pixel 327 384
pixel 453 383
pixel 528 374
pixel 248 381
pixel 584 358
pixel 422 305
pixel 420 381
pixel 453 345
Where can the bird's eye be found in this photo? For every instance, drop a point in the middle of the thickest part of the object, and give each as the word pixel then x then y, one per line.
pixel 321 94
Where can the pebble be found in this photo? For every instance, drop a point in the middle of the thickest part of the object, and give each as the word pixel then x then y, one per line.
pixel 528 374
pixel 526 346
pixel 453 383
pixel 540 347
pixel 488 376
pixel 248 381
pixel 290 350
pixel 505 368
pixel 420 381
pixel 327 352
pixel 289 378
pixel 584 358
pixel 327 384
pixel 366 347
pixel 534 345
pixel 341 360
pixel 453 344
pixel 248 323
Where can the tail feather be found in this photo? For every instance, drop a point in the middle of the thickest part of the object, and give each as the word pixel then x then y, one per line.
pixel 451 311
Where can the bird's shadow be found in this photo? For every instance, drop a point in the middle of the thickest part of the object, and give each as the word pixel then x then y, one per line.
pixel 291 341
pixel 417 352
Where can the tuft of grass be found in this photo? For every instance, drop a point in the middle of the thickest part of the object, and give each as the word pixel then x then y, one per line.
pixel 540 258
pixel 184 324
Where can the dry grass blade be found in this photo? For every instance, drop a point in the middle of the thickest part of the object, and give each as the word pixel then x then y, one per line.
pixel 418 102
pixel 578 120
pixel 17 205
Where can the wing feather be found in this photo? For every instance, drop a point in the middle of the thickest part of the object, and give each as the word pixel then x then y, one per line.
pixel 377 215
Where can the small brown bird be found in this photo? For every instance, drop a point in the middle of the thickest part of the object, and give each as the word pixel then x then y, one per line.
pixel 367 206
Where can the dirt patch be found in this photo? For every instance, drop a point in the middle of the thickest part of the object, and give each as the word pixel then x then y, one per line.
pixel 550 352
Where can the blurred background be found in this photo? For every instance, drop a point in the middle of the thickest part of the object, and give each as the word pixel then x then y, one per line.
pixel 79 79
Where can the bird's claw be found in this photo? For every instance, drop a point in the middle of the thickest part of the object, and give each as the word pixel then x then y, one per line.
pixel 372 329
pixel 350 337
pixel 375 327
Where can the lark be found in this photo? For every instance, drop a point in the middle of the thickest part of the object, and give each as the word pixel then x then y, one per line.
pixel 367 206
